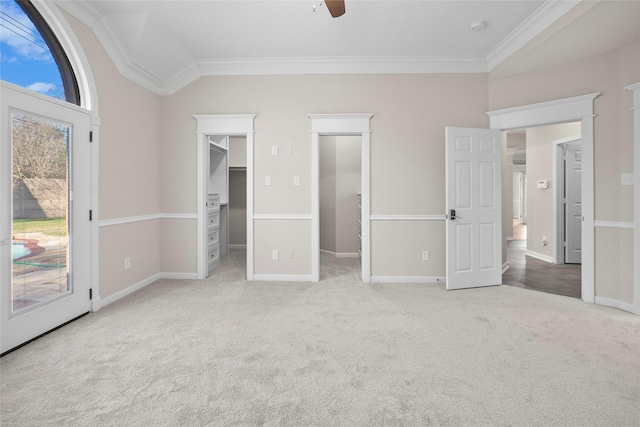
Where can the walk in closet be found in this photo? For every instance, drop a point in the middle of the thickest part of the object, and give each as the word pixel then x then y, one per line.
pixel 237 192
pixel 217 201
pixel 227 197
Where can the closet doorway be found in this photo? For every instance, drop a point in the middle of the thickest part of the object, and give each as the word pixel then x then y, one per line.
pixel 237 200
pixel 219 132
pixel 340 125
pixel 238 193
pixel 340 200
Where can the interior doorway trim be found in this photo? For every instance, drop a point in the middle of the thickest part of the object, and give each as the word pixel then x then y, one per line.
pixel 222 125
pixel 635 88
pixel 578 108
pixel 558 191
pixel 340 125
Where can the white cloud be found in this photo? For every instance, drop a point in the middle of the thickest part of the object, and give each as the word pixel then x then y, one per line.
pixel 42 87
pixel 17 32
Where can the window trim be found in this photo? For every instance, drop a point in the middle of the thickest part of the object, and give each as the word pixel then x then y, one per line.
pixel 68 76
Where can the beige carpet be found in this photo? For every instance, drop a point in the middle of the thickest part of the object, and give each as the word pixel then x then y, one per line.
pixel 224 352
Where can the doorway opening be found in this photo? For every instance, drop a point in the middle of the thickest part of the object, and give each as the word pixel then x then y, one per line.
pixel 224 142
pixel 545 214
pixel 340 199
pixel 341 125
pixel 579 109
pixel 237 225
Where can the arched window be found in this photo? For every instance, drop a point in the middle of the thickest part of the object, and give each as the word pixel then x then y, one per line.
pixel 31 55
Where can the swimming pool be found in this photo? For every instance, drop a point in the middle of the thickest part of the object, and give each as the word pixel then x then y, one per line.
pixel 19 250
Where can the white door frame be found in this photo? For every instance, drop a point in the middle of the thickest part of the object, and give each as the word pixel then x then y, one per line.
pixel 578 108
pixel 89 101
pixel 228 125
pixel 340 125
pixel 34 321
pixel 558 199
pixel 635 88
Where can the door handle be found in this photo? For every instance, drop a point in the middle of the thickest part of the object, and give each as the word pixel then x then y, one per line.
pixel 452 215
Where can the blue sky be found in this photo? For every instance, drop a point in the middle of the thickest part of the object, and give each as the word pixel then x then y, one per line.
pixel 25 59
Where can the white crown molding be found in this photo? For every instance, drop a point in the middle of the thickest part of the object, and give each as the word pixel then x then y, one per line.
pixel 181 78
pixel 542 18
pixel 344 65
pixel 548 13
pixel 122 59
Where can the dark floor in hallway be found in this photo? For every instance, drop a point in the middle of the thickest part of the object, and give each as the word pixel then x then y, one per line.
pixel 531 273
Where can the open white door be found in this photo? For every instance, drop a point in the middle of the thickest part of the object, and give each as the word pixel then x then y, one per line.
pixel 474 204
pixel 45 232
pixel 573 203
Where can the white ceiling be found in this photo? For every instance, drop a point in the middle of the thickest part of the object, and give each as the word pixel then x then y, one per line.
pixel 165 44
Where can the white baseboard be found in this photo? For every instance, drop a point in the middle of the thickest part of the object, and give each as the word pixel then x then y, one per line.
pixel 505 267
pixel 408 279
pixel 283 277
pixel 129 290
pixel 179 276
pixel 340 254
pixel 610 302
pixel 539 256
pixel 103 302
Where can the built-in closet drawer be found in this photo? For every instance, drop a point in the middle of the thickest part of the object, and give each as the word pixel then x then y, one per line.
pixel 213 231
pixel 214 257
pixel 213 220
pixel 213 238
pixel 213 203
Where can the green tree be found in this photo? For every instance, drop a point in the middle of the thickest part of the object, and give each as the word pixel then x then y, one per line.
pixel 39 148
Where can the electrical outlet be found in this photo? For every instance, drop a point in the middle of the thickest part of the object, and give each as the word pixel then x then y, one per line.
pixel 127 263
pixel 543 241
pixel 426 256
pixel 275 254
pixel 626 179
pixel 296 180
pixel 274 150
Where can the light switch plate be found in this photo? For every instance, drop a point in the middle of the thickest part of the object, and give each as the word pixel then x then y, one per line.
pixel 267 180
pixel 296 180
pixel 274 150
pixel 626 179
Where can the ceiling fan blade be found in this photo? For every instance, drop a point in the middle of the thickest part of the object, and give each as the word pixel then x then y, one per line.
pixel 336 7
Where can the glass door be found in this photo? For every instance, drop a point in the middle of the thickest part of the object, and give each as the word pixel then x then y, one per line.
pixel 45 231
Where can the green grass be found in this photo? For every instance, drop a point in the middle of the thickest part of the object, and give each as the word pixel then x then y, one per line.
pixel 47 226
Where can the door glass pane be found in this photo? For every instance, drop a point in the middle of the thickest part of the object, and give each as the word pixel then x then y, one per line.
pixel 40 237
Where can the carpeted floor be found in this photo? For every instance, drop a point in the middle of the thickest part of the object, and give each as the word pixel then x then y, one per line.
pixel 226 352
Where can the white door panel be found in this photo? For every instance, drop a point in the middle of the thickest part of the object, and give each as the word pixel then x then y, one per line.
pixel 474 250
pixel 29 305
pixel 573 203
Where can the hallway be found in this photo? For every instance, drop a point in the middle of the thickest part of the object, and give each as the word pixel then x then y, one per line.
pixel 531 273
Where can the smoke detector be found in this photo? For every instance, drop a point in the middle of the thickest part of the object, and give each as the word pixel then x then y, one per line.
pixel 477 25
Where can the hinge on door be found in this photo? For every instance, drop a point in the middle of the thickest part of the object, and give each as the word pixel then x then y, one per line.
pixel 90 215
pixel 91 136
pixel 90 293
